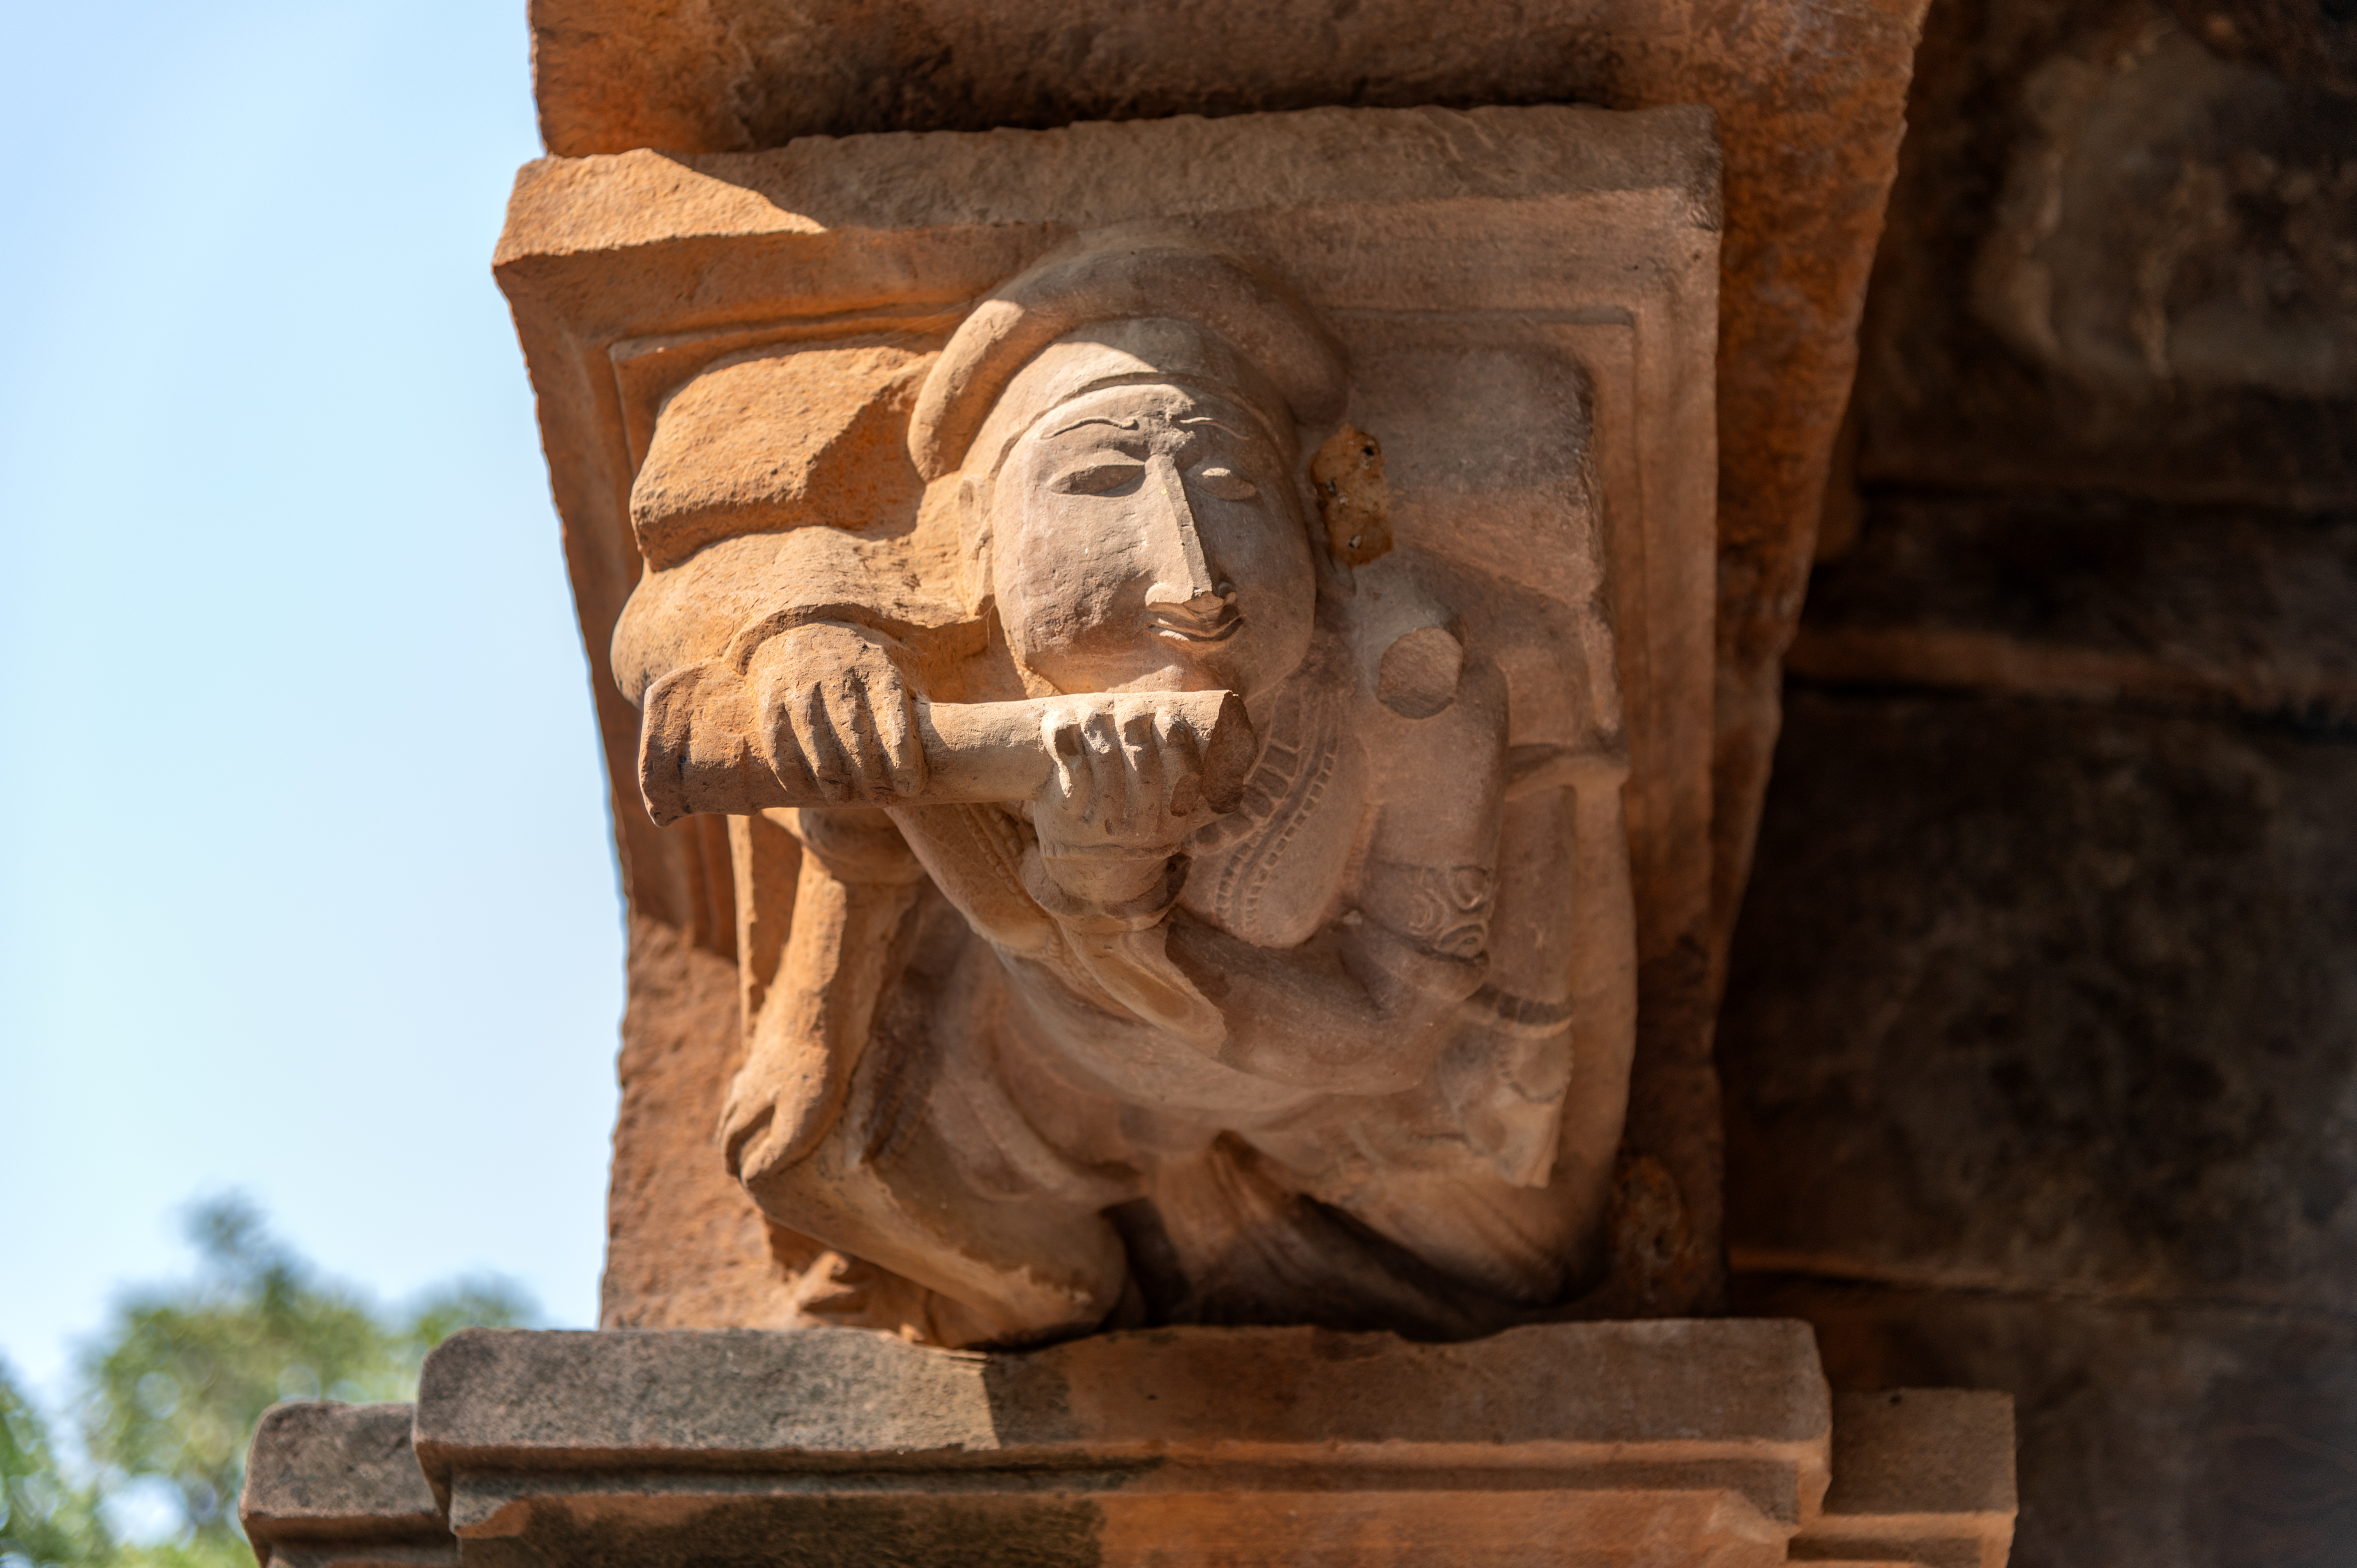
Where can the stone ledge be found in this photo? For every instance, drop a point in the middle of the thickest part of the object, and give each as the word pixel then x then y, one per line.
pixel 726 1397
pixel 1577 1443
pixel 1920 1475
pixel 336 1486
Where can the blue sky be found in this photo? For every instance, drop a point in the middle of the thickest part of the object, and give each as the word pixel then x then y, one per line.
pixel 305 883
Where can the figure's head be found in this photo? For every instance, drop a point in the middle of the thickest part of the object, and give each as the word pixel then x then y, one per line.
pixel 1140 524
pixel 1128 487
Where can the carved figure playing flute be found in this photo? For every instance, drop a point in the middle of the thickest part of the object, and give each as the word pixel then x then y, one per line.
pixel 1229 933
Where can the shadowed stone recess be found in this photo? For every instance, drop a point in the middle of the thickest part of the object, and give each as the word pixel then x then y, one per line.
pixel 2047 996
pixel 2153 1435
pixel 2094 596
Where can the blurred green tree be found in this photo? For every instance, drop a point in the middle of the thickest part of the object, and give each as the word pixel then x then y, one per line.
pixel 43 1518
pixel 172 1387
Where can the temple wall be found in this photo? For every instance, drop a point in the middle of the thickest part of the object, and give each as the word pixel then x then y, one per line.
pixel 2041 1029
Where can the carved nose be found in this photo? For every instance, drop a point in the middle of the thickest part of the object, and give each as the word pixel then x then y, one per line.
pixel 1181 575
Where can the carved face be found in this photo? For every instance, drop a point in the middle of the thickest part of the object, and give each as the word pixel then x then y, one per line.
pixel 1147 537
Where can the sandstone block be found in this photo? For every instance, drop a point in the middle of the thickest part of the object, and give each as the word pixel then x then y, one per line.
pixel 1808 94
pixel 1665 1442
pixel 1920 1475
pixel 2038 995
pixel 2152 1435
pixel 336 1486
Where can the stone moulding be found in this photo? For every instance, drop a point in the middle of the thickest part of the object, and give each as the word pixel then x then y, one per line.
pixel 334 1486
pixel 1427 237
pixel 1670 1442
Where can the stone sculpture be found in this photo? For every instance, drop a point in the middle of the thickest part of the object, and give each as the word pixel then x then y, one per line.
pixel 1218 913
pixel 1123 664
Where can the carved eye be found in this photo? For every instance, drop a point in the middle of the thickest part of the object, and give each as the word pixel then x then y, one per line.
pixel 1098 478
pixel 1226 484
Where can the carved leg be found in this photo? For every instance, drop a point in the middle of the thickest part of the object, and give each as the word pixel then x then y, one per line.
pixel 849 1124
pixel 854 892
pixel 933 1197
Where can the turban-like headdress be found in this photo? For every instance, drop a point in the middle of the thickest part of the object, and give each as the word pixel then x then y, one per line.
pixel 1169 310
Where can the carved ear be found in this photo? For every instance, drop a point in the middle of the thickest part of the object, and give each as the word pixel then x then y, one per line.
pixel 974 543
pixel 1334 572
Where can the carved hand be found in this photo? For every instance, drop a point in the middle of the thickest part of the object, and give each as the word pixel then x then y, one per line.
pixel 837 716
pixel 1127 786
pixel 823 716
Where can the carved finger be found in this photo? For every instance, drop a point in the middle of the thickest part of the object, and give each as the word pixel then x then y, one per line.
pixel 1143 778
pixel 854 717
pixel 1182 763
pixel 822 749
pixel 1108 800
pixel 1071 779
pixel 797 708
pixel 788 758
pixel 894 712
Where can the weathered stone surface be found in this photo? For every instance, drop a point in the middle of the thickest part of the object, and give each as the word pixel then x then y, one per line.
pixel 1902 1450
pixel 1524 299
pixel 2039 996
pixel 2042 1001
pixel 1602 1443
pixel 336 1486
pixel 492 1397
pixel 1920 1475
pixel 2152 1435
pixel 685 1247
pixel 2118 257
pixel 1623 1444
pixel 770 440
pixel 2313 45
pixel 2097 598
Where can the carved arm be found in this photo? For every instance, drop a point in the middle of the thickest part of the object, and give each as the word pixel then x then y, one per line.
pixel 712 739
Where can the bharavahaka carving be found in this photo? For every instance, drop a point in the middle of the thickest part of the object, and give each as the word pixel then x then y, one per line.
pixel 1209 918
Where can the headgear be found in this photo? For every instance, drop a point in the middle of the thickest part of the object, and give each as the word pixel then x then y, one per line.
pixel 1166 306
